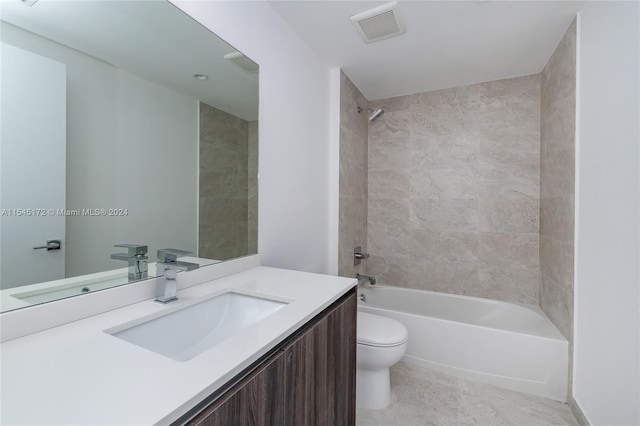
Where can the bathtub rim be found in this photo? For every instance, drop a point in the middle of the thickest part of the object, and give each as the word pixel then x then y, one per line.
pixel 534 308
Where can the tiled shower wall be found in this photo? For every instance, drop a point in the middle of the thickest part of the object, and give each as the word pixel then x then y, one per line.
pixel 557 183
pixel 353 177
pixel 225 197
pixel 454 189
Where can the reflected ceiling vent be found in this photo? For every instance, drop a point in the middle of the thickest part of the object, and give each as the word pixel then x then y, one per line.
pixel 242 61
pixel 379 23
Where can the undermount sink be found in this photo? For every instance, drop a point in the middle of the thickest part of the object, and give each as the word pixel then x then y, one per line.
pixel 188 331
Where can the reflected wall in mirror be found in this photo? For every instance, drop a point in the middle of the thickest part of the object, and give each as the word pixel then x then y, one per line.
pixel 122 122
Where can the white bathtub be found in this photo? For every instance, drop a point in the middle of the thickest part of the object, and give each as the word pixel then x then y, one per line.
pixel 505 344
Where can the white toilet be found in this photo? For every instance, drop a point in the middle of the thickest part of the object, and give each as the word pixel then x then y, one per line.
pixel 382 342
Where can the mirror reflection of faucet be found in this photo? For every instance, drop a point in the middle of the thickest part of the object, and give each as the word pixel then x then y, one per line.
pixel 167 268
pixel 137 259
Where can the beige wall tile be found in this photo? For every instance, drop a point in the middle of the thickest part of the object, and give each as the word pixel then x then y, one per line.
pixel 223 240
pixel 389 241
pixel 228 150
pixel 389 184
pixel 353 225
pixel 445 246
pixel 350 100
pixel 445 214
pixel 508 249
pixel 511 181
pixel 354 153
pixel 388 213
pixel 557 304
pixel 353 166
pixel 459 182
pixel 471 156
pixel 557 173
pixel 504 215
pixel 389 154
pixel 217 185
pixel 394 126
pixel 449 151
pixel 558 127
pixel 557 183
pixel 556 218
pixel 222 211
pixel 389 270
pixel 517 284
pixel 556 262
pixel 448 277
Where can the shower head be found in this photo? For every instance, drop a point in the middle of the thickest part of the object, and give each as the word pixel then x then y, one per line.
pixel 375 113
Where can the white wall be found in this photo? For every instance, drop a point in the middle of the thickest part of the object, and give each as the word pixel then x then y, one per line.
pixel 32 164
pixel 130 144
pixel 606 382
pixel 334 173
pixel 294 183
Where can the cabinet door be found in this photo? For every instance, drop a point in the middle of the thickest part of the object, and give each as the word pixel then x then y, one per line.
pixel 256 400
pixel 320 371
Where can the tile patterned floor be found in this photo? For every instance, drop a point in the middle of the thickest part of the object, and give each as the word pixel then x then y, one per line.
pixel 424 397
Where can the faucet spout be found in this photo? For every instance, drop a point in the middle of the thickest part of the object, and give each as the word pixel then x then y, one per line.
pixel 167 269
pixel 186 266
pixel 361 277
pixel 167 287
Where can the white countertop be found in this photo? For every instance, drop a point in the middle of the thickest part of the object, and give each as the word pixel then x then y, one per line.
pixel 76 374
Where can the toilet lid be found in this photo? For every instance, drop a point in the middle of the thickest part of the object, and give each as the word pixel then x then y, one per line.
pixel 376 330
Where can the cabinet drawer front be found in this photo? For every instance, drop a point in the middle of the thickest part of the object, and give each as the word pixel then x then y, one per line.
pixel 321 371
pixel 256 400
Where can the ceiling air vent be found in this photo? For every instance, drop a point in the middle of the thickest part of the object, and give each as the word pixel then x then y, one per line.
pixel 379 23
pixel 242 61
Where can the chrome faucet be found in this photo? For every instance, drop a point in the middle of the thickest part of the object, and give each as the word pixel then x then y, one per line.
pixel 358 256
pixel 167 269
pixel 361 277
pixel 137 259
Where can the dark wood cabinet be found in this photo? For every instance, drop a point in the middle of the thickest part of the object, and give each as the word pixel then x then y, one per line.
pixel 320 371
pixel 310 379
pixel 258 399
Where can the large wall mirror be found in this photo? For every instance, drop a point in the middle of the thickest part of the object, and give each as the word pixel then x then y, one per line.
pixel 124 123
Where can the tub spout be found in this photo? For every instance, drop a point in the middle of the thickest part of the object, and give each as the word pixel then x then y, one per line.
pixel 361 277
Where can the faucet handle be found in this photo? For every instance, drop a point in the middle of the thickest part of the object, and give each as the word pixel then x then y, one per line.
pixel 358 255
pixel 171 255
pixel 134 249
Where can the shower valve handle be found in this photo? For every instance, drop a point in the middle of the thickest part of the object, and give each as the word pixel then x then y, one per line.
pixel 358 255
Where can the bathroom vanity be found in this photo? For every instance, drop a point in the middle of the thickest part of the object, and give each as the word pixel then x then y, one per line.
pixel 308 379
pixel 295 365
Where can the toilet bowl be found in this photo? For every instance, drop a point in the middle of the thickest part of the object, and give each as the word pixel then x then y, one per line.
pixel 382 342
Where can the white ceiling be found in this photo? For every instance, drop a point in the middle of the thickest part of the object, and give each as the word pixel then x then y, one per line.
pixel 153 39
pixel 447 43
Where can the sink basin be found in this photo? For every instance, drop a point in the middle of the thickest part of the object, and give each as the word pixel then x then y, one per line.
pixel 186 332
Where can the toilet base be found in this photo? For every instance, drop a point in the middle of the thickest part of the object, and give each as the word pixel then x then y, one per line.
pixel 373 388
